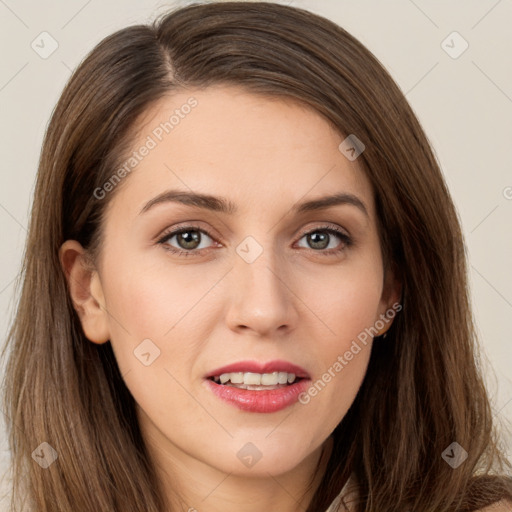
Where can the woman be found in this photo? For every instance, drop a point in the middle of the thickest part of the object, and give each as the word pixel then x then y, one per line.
pixel 309 347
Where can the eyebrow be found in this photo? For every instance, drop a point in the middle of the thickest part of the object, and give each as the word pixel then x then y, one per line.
pixel 223 205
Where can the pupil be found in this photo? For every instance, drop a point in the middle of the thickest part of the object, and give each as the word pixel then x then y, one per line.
pixel 189 242
pixel 322 238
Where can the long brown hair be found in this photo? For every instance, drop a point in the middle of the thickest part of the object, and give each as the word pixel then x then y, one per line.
pixel 423 390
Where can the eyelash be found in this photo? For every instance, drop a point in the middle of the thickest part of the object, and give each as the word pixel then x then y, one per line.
pixel 345 239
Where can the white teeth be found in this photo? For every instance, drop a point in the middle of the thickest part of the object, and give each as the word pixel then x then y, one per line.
pixel 236 378
pixel 256 379
pixel 270 379
pixel 253 379
pixel 282 378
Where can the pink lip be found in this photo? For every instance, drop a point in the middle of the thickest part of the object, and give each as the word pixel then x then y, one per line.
pixel 272 400
pixel 255 367
pixel 264 401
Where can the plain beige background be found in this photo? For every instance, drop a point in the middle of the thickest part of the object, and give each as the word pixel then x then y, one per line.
pixel 462 96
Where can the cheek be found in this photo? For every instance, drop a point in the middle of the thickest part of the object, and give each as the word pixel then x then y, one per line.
pixel 156 334
pixel 153 298
pixel 166 304
pixel 345 299
pixel 345 303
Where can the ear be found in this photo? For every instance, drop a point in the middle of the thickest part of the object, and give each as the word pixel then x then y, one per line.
pixel 86 291
pixel 389 303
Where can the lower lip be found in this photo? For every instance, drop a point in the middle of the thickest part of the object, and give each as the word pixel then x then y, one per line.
pixel 272 400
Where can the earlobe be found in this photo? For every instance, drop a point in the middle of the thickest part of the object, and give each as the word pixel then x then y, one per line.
pixel 86 292
pixel 386 327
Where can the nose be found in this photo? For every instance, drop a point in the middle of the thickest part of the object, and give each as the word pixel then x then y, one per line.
pixel 262 301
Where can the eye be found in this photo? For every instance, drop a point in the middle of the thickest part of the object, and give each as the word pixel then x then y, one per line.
pixel 188 240
pixel 192 240
pixel 323 239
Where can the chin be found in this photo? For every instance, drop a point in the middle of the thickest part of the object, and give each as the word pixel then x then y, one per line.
pixel 258 456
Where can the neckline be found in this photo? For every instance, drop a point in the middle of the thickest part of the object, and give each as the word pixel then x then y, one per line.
pixel 348 491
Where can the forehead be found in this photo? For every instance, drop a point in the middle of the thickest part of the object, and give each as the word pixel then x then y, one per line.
pixel 256 150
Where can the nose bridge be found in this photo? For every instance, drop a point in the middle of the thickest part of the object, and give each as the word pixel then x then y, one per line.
pixel 261 298
pixel 256 265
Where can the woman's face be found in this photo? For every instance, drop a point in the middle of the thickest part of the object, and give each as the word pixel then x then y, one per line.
pixel 263 283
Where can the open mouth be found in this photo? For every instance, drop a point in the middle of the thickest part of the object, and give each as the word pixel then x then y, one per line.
pixel 256 381
pixel 259 387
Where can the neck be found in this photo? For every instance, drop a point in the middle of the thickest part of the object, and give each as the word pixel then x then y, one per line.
pixel 193 486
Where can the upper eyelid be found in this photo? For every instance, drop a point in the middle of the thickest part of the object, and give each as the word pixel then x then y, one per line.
pixel 170 232
pixel 327 226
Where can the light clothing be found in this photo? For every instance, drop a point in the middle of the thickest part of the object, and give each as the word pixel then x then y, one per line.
pixel 347 492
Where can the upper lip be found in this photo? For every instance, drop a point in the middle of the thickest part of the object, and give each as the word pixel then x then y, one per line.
pixel 256 367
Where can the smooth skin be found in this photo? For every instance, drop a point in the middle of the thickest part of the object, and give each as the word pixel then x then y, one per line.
pixel 298 301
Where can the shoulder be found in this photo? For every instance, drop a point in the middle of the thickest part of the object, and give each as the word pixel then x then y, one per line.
pixel 499 506
pixel 349 494
pixel 345 500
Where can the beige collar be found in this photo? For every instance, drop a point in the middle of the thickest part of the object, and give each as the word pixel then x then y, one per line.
pixel 345 498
